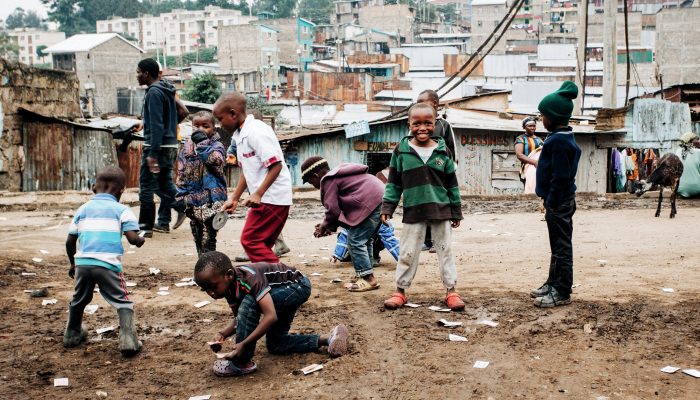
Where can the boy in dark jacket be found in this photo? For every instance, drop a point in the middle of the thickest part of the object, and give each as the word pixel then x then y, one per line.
pixel 422 170
pixel 556 184
pixel 352 199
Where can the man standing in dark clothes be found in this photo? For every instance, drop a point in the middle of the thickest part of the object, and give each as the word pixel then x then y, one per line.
pixel 556 184
pixel 160 119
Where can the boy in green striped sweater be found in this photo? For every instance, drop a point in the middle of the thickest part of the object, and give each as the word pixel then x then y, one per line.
pixel 422 169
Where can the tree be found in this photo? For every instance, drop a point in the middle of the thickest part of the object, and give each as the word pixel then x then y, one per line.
pixel 40 51
pixel 280 8
pixel 317 11
pixel 8 47
pixel 75 16
pixel 23 19
pixel 204 88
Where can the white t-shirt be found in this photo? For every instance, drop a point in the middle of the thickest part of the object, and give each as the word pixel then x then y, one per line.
pixel 257 149
pixel 423 152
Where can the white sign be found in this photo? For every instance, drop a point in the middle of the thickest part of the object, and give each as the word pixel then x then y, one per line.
pixel 357 128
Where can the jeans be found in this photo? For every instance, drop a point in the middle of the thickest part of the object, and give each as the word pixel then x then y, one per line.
pixel 360 240
pixel 560 228
pixel 412 239
pixel 287 299
pixel 160 184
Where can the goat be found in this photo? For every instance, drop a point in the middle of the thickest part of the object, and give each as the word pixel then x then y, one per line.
pixel 667 173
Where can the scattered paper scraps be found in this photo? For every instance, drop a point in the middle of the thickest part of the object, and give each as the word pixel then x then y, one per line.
pixel 668 290
pixel 28 273
pixel 575 285
pixel 48 302
pixel 188 283
pixel 202 303
pixel 130 252
pixel 131 284
pixel 692 372
pixel 438 309
pixel 449 324
pixel 163 288
pixel 300 255
pixel 186 279
pixel 412 305
pixel 154 271
pixel 489 323
pixel 313 255
pixel 162 293
pixel 325 248
pixel 602 262
pixel 669 369
pixel 104 330
pixel 311 368
pixel 456 338
pixel 91 308
pixel 37 259
pixel 189 254
pixel 481 364
pixel 336 280
pixel 43 252
pixel 131 246
pixel 201 397
pixel 28 291
pixel 60 382
pixel 142 233
pixel 316 274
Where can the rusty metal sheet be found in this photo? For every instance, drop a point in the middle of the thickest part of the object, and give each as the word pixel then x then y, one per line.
pixel 130 162
pixel 92 151
pixel 48 150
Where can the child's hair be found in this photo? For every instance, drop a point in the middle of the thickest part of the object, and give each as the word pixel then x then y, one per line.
pixel 432 95
pixel 204 114
pixel 215 260
pixel 111 176
pixel 422 106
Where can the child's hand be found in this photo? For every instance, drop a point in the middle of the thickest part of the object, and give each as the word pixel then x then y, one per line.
pixel 219 338
pixel 71 272
pixel 253 201
pixel 232 354
pixel 455 223
pixel 384 218
pixel 230 206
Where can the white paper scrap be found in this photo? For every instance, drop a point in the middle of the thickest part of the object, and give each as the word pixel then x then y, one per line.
pixel 163 293
pixel 221 355
pixel 28 273
pixel 313 255
pixel 438 309
pixel 449 324
pixel 130 284
pixel 456 338
pixel 154 271
pixel 336 280
pixel 202 303
pixel 300 255
pixel 37 259
pixel 602 261
pixel 489 323
pixel 43 252
pixel 311 368
pixel 668 290
pixel 163 288
pixel 91 308
pixel 182 284
pixel 130 252
pixel 28 291
pixel 142 233
pixel 104 330
pixel 481 364
pixel 316 274
pixel 201 397
pixel 189 254
pixel 575 285
pixel 692 372
pixel 60 382
pixel 669 369
pixel 186 279
pixel 412 305
pixel 325 248
pixel 48 302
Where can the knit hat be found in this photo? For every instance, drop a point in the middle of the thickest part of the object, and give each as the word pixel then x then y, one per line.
pixel 558 106
pixel 312 165
pixel 688 137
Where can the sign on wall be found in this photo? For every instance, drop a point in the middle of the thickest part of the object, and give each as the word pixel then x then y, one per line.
pixel 357 128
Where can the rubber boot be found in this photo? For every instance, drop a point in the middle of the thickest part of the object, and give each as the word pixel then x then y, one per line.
pixel 129 344
pixel 147 217
pixel 75 332
pixel 281 247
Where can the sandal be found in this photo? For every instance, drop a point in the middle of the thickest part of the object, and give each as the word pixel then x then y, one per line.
pixel 397 300
pixel 362 286
pixel 228 368
pixel 454 302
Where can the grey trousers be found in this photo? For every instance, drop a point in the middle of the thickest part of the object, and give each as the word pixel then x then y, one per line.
pixel 412 237
pixel 111 283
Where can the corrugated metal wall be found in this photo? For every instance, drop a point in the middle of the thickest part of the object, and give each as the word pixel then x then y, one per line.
pixel 130 162
pixel 92 151
pixel 49 156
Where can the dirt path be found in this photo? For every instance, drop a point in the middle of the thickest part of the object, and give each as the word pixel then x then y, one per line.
pixel 612 341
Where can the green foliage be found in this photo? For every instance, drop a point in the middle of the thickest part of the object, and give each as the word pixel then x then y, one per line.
pixel 40 51
pixel 280 8
pixel 157 8
pixel 204 88
pixel 316 11
pixel 8 48
pixel 258 103
pixel 23 19
pixel 448 12
pixel 206 55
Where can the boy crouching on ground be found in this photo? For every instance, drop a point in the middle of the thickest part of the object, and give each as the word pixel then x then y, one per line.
pixel 97 229
pixel 274 290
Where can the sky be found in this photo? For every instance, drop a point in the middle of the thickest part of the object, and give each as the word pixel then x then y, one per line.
pixel 7 6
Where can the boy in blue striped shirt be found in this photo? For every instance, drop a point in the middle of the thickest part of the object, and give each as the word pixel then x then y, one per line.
pixel 94 247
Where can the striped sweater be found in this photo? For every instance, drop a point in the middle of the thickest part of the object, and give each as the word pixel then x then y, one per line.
pixel 430 190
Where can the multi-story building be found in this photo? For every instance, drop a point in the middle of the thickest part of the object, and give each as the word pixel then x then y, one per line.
pixel 295 39
pixel 29 40
pixel 260 50
pixel 176 32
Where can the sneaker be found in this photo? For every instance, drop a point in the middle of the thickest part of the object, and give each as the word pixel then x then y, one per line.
pixel 161 228
pixel 181 217
pixel 541 291
pixel 425 247
pixel 146 233
pixel 338 341
pixel 552 299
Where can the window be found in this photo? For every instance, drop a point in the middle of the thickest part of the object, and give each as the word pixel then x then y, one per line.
pixel 478 23
pixel 495 23
pixel 210 34
pixel 306 46
pixel 505 170
pixel 148 23
pixel 103 27
pixel 210 23
pixel 230 22
pixel 190 25
pixel 172 49
pixel 269 35
pixel 148 33
pixel 305 29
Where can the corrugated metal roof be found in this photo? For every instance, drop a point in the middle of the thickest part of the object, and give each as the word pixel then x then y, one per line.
pixel 423 57
pixel 489 121
pixel 85 42
pixel 320 115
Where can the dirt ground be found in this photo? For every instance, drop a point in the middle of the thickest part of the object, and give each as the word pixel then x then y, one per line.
pixel 611 342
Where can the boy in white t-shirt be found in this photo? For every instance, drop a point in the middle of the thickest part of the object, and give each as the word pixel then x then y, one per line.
pixel 265 176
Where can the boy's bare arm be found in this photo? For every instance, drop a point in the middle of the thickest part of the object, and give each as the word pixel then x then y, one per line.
pixel 133 238
pixel 71 248
pixel 272 173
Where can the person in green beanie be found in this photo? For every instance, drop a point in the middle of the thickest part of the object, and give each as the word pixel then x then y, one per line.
pixel 556 185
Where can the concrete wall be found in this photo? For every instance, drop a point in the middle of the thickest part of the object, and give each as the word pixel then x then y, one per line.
pixel 484 20
pixel 389 18
pixel 677 45
pixel 286 38
pixel 249 54
pixel 634 27
pixel 107 66
pixel 47 92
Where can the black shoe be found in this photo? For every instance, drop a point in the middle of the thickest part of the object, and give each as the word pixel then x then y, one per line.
pixel 161 228
pixel 552 299
pixel 181 217
pixel 541 291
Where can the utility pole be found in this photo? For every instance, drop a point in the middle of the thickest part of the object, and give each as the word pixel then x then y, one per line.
pixel 610 54
pixel 581 56
pixel 297 92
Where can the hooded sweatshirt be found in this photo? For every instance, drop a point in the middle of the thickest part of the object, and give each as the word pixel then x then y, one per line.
pixel 159 117
pixel 349 195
